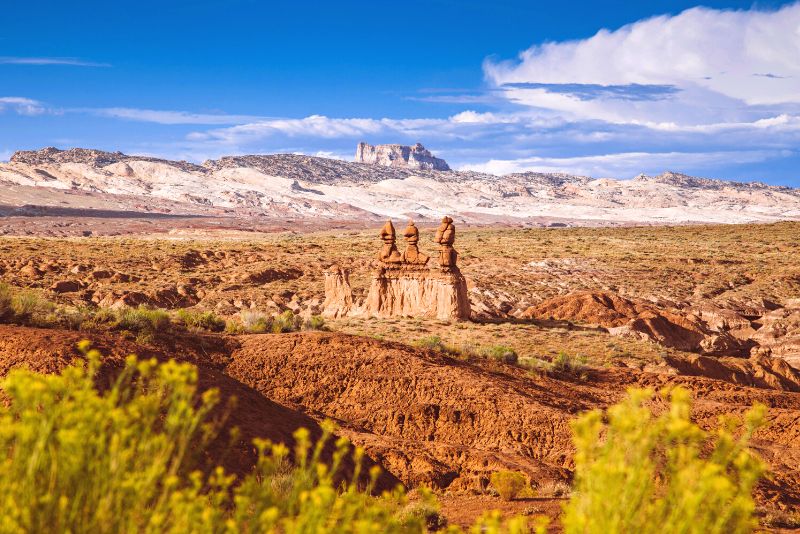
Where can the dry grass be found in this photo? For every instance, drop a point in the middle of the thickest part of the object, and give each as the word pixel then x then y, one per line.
pixel 521 266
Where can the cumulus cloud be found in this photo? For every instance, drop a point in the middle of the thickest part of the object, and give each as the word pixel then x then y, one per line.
pixel 21 105
pixel 68 61
pixel 700 66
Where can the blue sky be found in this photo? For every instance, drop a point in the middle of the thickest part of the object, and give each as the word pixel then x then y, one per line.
pixel 596 88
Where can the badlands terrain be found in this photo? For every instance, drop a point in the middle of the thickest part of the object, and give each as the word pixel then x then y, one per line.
pixel 579 289
pixel 586 313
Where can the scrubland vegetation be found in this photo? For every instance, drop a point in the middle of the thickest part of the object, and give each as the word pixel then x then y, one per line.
pixel 636 472
pixel 31 308
pixel 125 458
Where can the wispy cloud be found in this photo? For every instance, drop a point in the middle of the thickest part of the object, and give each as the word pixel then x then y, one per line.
pixel 21 105
pixel 169 117
pixel 67 61
pixel 593 91
pixel 619 165
pixel 478 98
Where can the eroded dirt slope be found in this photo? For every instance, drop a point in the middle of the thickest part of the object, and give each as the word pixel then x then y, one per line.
pixel 426 417
pixel 434 419
pixel 255 415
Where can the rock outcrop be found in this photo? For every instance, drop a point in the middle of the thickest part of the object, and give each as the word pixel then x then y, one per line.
pixel 338 293
pixel 779 333
pixel 415 157
pixel 402 285
pixel 413 291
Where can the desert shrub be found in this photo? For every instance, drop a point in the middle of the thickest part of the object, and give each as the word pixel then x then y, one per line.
pixel 653 474
pixel 143 319
pixel 509 484
pixel 464 350
pixel 71 318
pixel 554 489
pixel 430 343
pixel 6 309
pixel 31 308
pixel 567 363
pixel 99 317
pixel 77 459
pixel 201 320
pixel 254 322
pixel 315 322
pixel 425 511
pixel 234 327
pixel 285 322
pixel 502 353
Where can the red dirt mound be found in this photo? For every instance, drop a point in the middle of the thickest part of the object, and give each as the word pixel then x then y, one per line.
pixel 446 422
pixel 623 317
pixel 255 415
pixel 604 309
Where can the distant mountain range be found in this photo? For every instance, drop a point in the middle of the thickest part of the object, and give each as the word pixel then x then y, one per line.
pixel 287 185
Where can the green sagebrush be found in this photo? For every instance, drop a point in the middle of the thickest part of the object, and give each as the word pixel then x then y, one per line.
pixel 80 460
pixel 508 484
pixel 640 473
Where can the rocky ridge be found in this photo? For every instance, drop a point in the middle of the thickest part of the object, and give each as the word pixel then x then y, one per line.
pixel 287 185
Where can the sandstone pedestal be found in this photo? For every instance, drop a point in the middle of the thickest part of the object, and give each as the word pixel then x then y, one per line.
pixel 410 291
pixel 402 291
pixel 402 285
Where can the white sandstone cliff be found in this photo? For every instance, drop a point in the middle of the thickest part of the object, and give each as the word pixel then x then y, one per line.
pixel 412 157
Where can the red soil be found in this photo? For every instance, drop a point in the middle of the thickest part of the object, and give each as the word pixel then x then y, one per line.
pixel 428 418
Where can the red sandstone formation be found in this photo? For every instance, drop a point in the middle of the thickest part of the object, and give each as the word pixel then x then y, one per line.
pixel 402 285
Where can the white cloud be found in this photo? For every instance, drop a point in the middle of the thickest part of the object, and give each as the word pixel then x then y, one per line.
pixel 318 126
pixel 621 165
pixel 170 117
pixel 331 155
pixel 21 105
pixel 69 61
pixel 697 67
pixel 474 117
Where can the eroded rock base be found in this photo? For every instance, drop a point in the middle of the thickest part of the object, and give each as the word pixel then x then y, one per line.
pixel 400 291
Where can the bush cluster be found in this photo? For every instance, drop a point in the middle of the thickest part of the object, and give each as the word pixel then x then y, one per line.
pixel 76 459
pixel 28 307
pixel 637 472
pixel 201 320
pixel 501 353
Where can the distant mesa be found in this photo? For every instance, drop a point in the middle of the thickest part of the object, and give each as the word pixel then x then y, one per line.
pixel 413 157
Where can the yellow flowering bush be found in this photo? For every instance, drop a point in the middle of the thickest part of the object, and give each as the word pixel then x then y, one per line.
pixel 121 459
pixel 640 473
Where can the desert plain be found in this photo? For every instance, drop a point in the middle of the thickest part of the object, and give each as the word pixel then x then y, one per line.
pixel 564 320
